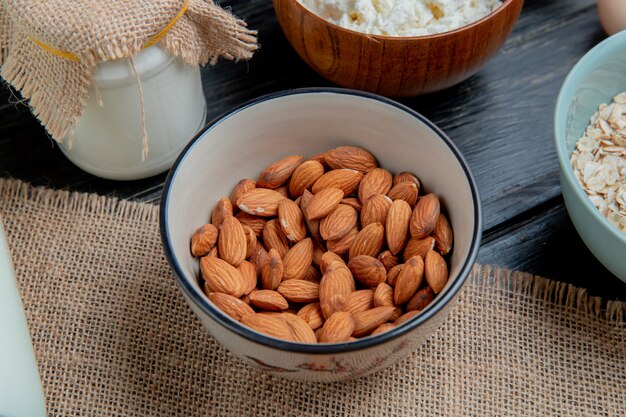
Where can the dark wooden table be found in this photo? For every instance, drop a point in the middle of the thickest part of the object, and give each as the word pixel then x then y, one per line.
pixel 501 119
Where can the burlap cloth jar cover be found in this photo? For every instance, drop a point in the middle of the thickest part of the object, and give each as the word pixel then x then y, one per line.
pixel 49 49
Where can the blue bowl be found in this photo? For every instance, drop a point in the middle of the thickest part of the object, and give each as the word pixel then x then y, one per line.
pixel 595 79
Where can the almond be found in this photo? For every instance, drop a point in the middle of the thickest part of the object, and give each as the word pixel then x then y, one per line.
pixel 232 242
pixel 242 187
pixel 369 241
pixel 258 257
pixel 221 276
pixel 298 259
pixel 375 210
pixel 249 275
pixel 409 280
pixel 443 235
pixel 323 203
pixel 271 325
pixel 253 222
pixel 230 305
pixel 272 270
pixel 366 321
pixel 406 191
pixel 421 299
pixel 279 172
pixel 338 223
pixel 383 295
pixel 347 180
pixel 222 209
pixel 212 253
pixel 312 225
pixel 397 227
pixel 312 275
pixel 312 314
pixel 321 158
pixel 359 301
pixel 250 240
pixel 405 317
pixel 342 246
pixel 350 157
pixel 338 328
pixel 291 220
pixel 393 273
pixel 397 312
pixel 300 329
pixel 353 202
pixel 284 191
pixel 367 270
pixel 274 238
pixel 299 291
pixel 203 240
pixel 385 327
pixel 318 252
pixel 328 258
pixel 304 177
pixel 376 181
pixel 261 202
pixel 425 216
pixel 436 271
pixel 268 300
pixel 406 177
pixel 388 259
pixel 335 288
pixel 418 247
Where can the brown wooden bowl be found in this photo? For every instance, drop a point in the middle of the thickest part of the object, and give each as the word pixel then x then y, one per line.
pixel 394 66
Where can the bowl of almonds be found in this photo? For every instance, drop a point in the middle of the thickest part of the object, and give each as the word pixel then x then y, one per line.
pixel 321 234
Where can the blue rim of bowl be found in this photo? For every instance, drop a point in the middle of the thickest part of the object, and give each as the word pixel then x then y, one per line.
pixel 562 105
pixel 224 320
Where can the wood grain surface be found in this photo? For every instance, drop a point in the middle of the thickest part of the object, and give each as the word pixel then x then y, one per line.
pixel 500 118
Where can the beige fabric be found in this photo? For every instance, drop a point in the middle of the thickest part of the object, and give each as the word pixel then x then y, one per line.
pixel 113 335
pixel 96 31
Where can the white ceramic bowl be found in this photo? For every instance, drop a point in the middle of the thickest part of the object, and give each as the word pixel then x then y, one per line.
pixel 246 140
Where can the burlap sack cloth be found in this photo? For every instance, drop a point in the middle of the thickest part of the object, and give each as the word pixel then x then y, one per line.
pixel 49 49
pixel 114 337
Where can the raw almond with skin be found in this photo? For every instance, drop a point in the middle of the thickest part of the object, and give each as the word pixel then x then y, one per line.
pixel 318 252
pixel 405 317
pixel 272 325
pixel 299 291
pixel 222 209
pixel 397 227
pixel 300 329
pixel 424 216
pixel 421 299
pixel 383 295
pixel 366 321
pixel 409 280
pixel 436 271
pixel 212 253
pixel 203 240
pixel 406 177
pixel 367 270
pixel 320 157
pixel 298 259
pixel 220 276
pixel 284 191
pixel 388 259
pixel 304 177
pixel 274 238
pixel 312 225
pixel 443 235
pixel 406 191
pixel 323 203
pixel 385 327
pixel 253 222
pixel 338 328
pixel 342 246
pixel 334 284
pixel 328 258
pixel 312 275
pixel 397 312
pixel 312 315
pixel 347 180
pixel 240 189
pixel 393 273
pixel 268 300
pixel 272 270
pixel 250 240
pixel 232 242
pixel 258 257
pixel 279 172
pixel 369 241
pixel 350 157
pixel 359 301
pixel 353 202
pixel 375 210
pixel 230 305
pixel 249 276
pixel 418 247
pixel 338 223
pixel 376 181
pixel 291 220
pixel 261 202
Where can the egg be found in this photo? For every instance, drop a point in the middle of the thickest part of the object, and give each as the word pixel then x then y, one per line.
pixel 612 15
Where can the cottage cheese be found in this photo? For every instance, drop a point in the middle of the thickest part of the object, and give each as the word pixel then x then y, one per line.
pixel 402 17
